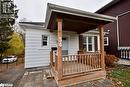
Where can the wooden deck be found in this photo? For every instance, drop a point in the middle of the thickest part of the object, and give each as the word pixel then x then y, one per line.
pixel 78 68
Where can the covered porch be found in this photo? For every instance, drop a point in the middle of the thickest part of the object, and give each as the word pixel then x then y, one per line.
pixel 80 67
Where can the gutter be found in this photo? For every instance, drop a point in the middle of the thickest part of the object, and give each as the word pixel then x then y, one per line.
pixel 118 39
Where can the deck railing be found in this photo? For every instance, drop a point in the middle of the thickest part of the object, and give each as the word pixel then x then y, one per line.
pixel 81 63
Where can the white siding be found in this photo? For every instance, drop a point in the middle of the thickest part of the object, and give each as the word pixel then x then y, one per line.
pixel 36 55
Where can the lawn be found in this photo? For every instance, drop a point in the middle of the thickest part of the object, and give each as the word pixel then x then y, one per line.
pixel 120 75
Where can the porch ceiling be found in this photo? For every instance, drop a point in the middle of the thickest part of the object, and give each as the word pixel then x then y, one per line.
pixel 74 20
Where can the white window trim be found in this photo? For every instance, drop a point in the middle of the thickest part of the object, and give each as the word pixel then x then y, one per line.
pixel 48 42
pixel 93 50
pixel 107 41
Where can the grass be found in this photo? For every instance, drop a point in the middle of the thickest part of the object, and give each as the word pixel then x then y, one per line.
pixel 120 75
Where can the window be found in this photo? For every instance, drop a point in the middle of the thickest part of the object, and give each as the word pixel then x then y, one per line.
pixel 44 40
pixel 7 7
pixel 105 41
pixel 88 44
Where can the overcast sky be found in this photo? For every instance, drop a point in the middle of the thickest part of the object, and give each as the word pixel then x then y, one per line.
pixel 35 10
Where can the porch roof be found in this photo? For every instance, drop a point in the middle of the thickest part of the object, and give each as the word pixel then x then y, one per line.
pixel 73 19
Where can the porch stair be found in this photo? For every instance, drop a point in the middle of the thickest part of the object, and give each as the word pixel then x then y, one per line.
pixel 80 78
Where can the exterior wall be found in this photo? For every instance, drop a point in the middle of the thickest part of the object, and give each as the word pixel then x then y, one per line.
pixel 124 25
pixel 36 55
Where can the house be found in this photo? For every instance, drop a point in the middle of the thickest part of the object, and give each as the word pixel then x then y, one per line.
pixel 59 43
pixel 119 43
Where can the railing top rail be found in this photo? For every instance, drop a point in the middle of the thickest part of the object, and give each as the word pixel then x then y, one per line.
pixel 82 54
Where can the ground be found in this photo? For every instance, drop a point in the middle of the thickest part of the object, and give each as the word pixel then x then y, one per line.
pixel 120 75
pixel 42 78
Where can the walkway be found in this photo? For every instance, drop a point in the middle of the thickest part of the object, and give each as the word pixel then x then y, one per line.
pixel 124 62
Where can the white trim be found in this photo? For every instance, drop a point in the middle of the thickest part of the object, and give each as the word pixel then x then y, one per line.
pixel 92 43
pixel 48 42
pixel 120 48
pixel 107 41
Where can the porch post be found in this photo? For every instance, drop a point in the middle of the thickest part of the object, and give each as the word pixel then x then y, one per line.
pixel 59 49
pixel 101 30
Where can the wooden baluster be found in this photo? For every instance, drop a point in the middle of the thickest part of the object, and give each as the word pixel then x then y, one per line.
pixel 91 61
pixel 66 69
pixel 94 61
pixel 98 65
pixel 81 65
pixel 78 63
pixel 74 63
pixel 85 59
pixel 71 66
pixel 87 62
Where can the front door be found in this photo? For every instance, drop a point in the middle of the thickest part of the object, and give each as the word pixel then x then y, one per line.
pixel 64 46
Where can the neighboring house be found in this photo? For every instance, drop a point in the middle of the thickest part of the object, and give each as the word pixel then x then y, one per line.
pixel 71 41
pixel 119 31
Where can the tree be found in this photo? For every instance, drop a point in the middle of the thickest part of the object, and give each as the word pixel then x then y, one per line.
pixel 16 45
pixel 6 24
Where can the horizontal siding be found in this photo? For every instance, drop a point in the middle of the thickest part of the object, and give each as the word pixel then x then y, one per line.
pixel 36 55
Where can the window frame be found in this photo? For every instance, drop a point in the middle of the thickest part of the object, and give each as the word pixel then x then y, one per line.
pixel 47 41
pixel 107 41
pixel 86 44
pixel 92 43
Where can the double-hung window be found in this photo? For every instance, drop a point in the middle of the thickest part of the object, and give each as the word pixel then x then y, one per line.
pixel 44 40
pixel 88 43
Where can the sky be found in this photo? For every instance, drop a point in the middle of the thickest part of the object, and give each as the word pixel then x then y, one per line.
pixel 35 10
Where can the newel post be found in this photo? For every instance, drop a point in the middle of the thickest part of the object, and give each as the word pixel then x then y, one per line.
pixel 101 30
pixel 59 49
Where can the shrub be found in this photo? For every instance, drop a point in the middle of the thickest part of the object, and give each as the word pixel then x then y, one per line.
pixel 110 60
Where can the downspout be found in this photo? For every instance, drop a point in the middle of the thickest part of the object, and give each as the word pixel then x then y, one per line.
pixel 118 39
